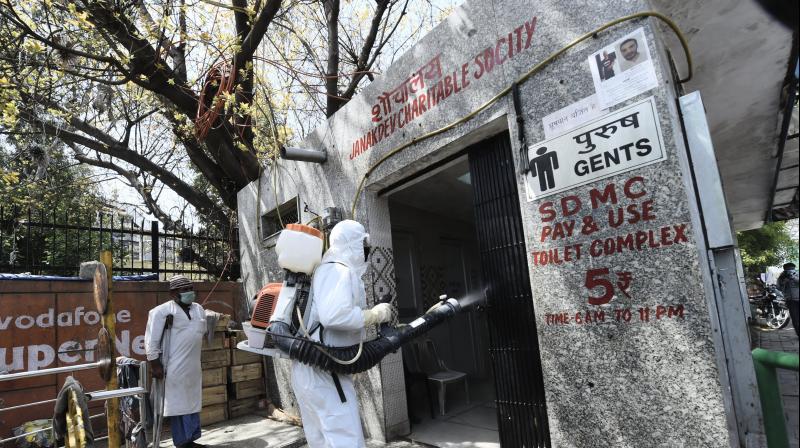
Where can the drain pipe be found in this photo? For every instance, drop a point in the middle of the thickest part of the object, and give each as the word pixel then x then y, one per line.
pixel 303 154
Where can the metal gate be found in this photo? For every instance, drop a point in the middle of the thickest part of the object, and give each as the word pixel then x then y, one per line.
pixel 513 343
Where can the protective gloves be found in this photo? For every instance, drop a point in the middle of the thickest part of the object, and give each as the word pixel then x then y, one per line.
pixel 379 313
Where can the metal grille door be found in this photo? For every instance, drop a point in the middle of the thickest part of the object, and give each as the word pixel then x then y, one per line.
pixel 513 343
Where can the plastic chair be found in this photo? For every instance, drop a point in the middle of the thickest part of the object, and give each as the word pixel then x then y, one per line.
pixel 414 375
pixel 439 373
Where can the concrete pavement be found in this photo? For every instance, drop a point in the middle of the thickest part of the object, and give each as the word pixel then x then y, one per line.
pixel 257 431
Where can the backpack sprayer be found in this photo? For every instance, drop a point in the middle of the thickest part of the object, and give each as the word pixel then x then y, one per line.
pixel 277 326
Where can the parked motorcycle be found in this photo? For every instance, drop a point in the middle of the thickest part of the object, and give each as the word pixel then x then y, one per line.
pixel 771 307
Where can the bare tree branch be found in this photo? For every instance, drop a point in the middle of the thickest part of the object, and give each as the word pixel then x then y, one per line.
pixel 333 102
pixel 105 144
pixel 365 63
pixel 256 34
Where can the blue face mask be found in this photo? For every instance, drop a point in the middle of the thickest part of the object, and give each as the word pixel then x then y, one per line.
pixel 187 297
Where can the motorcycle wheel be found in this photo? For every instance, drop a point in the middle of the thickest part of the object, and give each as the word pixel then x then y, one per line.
pixel 778 321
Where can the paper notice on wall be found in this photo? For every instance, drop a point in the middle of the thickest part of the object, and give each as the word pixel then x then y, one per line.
pixel 623 70
pixel 623 140
pixel 571 116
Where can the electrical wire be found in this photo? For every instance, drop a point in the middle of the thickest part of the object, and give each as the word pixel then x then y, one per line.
pixel 520 80
pixel 224 74
pixel 271 118
pixel 275 191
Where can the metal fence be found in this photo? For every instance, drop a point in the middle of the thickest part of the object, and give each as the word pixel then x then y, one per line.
pixel 43 242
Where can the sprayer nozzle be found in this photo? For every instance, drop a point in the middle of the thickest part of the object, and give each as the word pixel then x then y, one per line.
pixel 454 303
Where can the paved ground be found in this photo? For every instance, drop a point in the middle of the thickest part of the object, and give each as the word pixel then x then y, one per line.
pixel 470 424
pixel 256 431
pixel 252 431
pixel 784 340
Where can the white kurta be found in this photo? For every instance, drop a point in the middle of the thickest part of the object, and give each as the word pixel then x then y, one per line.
pixel 184 385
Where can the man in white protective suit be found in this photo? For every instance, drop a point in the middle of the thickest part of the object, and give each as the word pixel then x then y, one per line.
pixel 184 378
pixel 328 402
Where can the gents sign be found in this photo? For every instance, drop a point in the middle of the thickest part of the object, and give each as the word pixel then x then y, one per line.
pixel 615 143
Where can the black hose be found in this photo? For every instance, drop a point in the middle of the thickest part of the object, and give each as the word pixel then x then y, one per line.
pixel 311 353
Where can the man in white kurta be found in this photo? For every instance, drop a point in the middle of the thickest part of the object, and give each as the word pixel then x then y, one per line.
pixel 184 378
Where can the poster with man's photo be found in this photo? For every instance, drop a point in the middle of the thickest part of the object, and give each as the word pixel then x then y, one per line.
pixel 623 70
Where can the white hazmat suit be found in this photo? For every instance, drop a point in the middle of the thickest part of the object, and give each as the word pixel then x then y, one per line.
pixel 338 304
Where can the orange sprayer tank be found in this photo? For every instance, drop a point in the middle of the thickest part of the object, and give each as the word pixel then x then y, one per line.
pixel 266 299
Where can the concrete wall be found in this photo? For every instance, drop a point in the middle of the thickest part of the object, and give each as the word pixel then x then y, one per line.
pixel 38 319
pixel 628 380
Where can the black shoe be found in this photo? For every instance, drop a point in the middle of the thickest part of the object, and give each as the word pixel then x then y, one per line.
pixel 191 445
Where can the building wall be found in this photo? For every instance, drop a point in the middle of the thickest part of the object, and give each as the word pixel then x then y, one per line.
pixel 38 319
pixel 622 381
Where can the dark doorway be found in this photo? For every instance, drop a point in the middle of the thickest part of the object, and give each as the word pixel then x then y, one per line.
pixel 435 253
pixel 457 229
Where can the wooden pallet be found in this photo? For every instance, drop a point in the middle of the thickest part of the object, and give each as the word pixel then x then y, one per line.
pixel 238 356
pixel 213 414
pixel 219 341
pixel 247 389
pixel 244 372
pixel 216 358
pixel 215 376
pixel 244 406
pixel 215 395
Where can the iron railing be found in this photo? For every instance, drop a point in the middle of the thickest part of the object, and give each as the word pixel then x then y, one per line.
pixel 43 242
pixel 766 363
pixel 140 392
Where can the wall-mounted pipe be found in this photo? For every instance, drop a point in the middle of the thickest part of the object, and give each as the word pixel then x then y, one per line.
pixel 304 155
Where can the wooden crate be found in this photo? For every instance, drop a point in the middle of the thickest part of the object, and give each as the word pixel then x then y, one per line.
pixel 217 342
pixel 213 414
pixel 215 376
pixel 216 358
pixel 245 406
pixel 215 395
pixel 244 372
pixel 239 357
pixel 247 389
pixel 222 323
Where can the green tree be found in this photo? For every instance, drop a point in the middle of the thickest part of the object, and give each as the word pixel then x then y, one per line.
pixel 770 245
pixel 39 185
pixel 151 90
pixel 157 93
